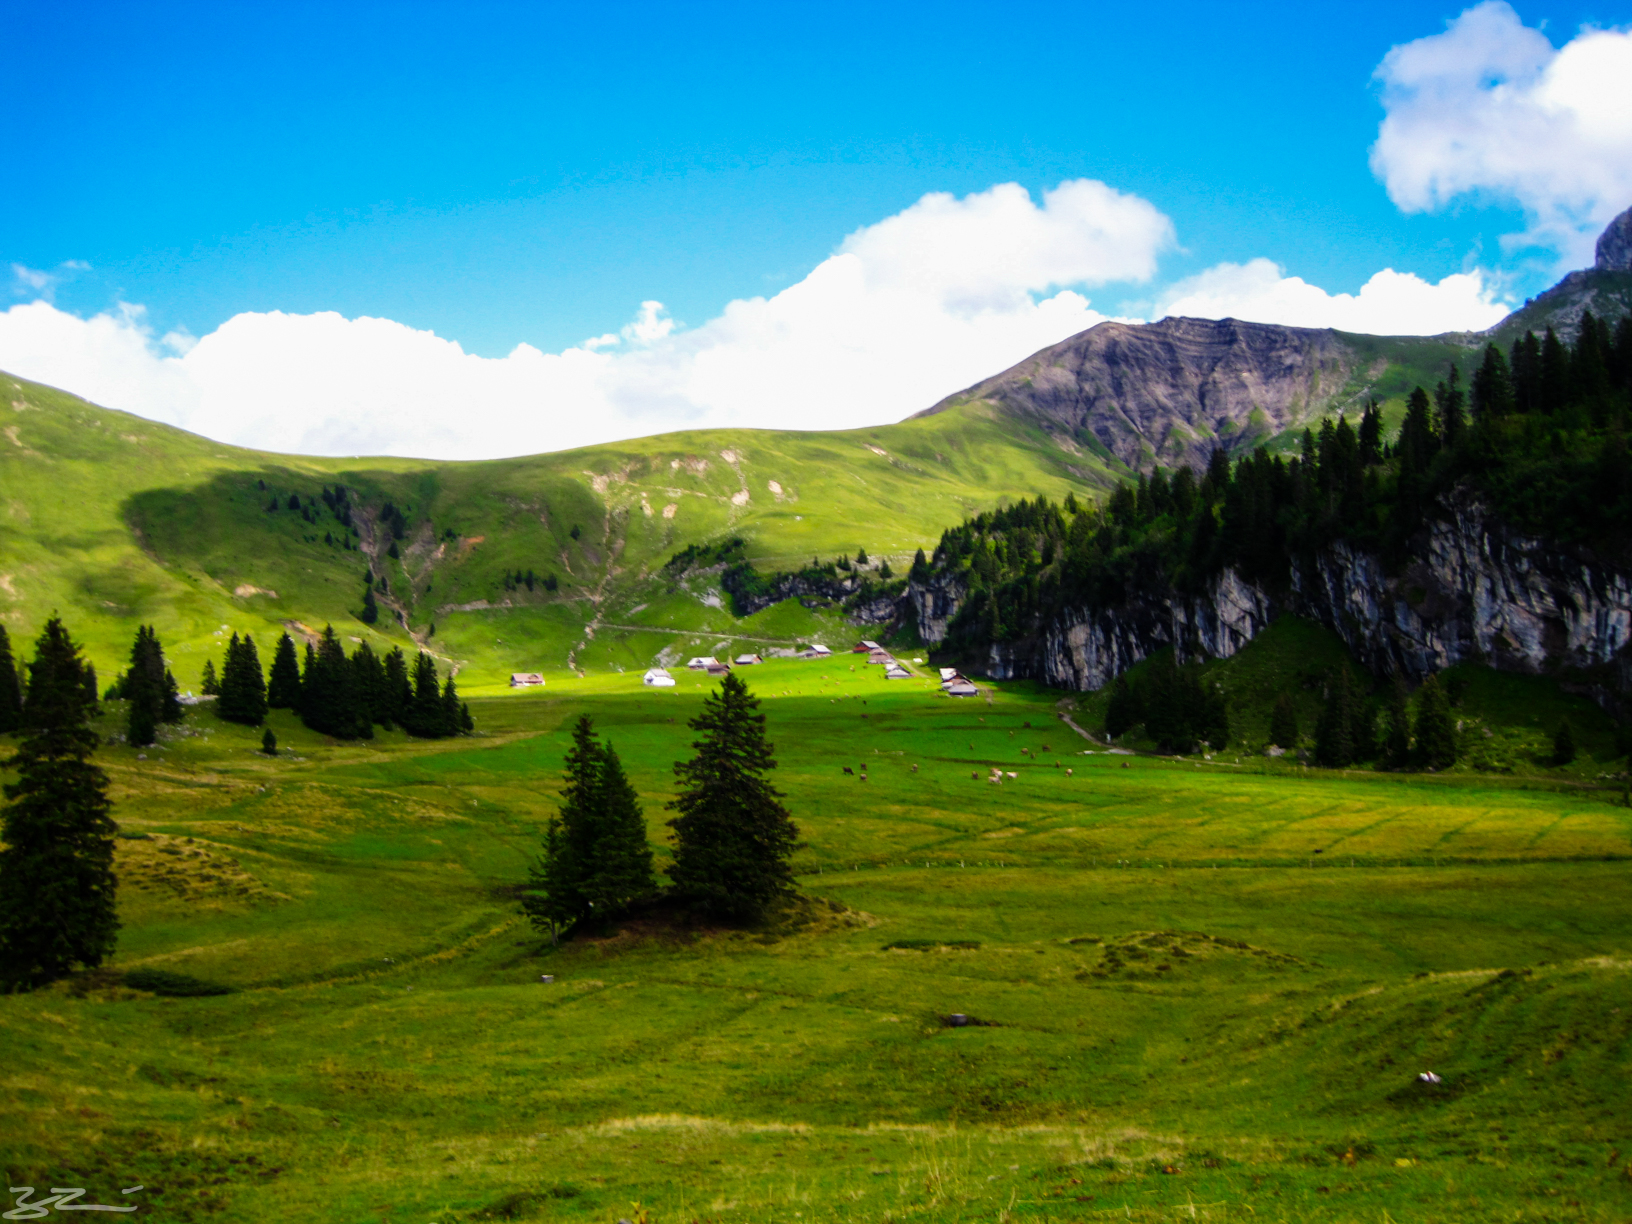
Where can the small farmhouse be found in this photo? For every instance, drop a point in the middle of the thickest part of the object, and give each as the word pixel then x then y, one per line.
pixel 962 688
pixel 896 672
pixel 702 663
pixel 658 677
pixel 748 660
pixel 717 667
pixel 881 657
pixel 865 647
pixel 526 680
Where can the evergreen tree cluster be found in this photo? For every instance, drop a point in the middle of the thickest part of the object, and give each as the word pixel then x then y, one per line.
pixel 57 885
pixel 1348 733
pixel 1179 708
pixel 336 504
pixel 348 696
pixel 596 862
pixel 148 688
pixel 241 695
pixel 1540 436
pixel 514 582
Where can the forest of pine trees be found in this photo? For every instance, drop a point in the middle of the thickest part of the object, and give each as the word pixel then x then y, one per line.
pixel 348 696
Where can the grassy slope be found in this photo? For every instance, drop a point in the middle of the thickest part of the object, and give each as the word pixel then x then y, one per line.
pixel 805 1077
pixel 115 521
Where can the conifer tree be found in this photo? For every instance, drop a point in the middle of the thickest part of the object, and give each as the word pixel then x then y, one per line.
pixel 1450 405
pixel 1283 722
pixel 11 689
pixel 208 685
pixel 1124 711
pixel 269 743
pixel 373 686
pixel 144 687
pixel 1564 743
pixel 425 717
pixel 1436 732
pixel 1398 745
pixel 243 687
pixel 595 859
pixel 329 700
pixel 733 837
pixel 399 690
pixel 1492 386
pixel 450 708
pixel 371 610
pixel 1334 734
pixel 57 887
pixel 283 689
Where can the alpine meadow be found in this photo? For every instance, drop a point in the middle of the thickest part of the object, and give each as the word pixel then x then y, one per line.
pixel 1183 776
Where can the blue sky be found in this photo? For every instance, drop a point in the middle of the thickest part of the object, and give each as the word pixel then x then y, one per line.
pixel 530 174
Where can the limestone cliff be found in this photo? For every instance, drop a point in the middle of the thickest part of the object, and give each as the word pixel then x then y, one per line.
pixel 1476 591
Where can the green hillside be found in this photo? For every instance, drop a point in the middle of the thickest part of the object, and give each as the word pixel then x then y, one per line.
pixel 114 521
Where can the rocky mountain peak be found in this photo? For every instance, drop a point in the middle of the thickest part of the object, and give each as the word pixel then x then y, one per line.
pixel 1615 245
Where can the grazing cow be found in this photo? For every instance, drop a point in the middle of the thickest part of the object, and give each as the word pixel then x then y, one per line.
pixel 849 771
pixel 1067 772
pixel 974 775
pixel 915 769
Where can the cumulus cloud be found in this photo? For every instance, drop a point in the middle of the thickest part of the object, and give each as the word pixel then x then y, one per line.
pixel 904 312
pixel 1491 107
pixel 1389 304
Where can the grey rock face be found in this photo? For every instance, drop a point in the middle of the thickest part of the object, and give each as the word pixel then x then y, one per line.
pixel 1479 592
pixel 1178 389
pixel 1615 245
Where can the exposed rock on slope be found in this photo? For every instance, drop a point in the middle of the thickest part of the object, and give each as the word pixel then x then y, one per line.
pixel 1615 245
pixel 1477 591
pixel 1178 389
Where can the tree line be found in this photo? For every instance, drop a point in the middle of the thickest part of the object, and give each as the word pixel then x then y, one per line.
pixel 335 694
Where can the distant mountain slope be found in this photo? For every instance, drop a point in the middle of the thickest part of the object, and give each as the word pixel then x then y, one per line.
pixel 1176 390
pixel 115 521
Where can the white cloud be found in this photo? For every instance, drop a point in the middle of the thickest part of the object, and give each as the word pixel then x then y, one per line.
pixel 1490 107
pixel 1389 304
pixel 906 311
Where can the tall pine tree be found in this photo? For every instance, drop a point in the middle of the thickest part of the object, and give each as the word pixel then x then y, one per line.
pixel 283 689
pixel 11 689
pixel 149 689
pixel 426 716
pixel 399 690
pixel 329 700
pixel 1334 734
pixel 596 860
pixel 57 887
pixel 243 687
pixel 1436 731
pixel 733 837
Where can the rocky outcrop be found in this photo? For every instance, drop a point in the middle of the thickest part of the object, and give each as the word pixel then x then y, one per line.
pixel 1478 591
pixel 1615 245
pixel 1177 389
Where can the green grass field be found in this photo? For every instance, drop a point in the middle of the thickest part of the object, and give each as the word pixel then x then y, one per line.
pixel 1203 989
